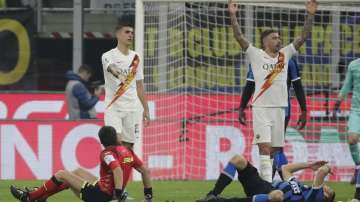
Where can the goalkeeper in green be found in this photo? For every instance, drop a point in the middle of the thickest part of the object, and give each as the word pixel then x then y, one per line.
pixel 352 83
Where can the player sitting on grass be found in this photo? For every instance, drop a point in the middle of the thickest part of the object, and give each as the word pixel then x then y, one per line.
pixel 115 169
pixel 254 185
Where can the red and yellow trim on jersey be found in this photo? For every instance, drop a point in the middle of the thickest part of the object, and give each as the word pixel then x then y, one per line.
pixel 272 75
pixel 123 86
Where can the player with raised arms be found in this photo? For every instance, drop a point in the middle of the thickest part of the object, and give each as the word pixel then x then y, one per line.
pixel 270 68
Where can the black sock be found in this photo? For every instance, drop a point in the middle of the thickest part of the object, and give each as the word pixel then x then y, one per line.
pixel 281 175
pixel 222 182
pixel 357 193
pixel 273 170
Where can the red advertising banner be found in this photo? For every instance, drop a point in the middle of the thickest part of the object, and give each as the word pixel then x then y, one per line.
pixel 184 141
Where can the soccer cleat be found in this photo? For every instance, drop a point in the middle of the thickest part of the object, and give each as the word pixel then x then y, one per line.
pixel 357 194
pixel 27 189
pixel 19 194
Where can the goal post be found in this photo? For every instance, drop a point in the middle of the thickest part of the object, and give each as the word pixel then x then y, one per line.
pixel 195 71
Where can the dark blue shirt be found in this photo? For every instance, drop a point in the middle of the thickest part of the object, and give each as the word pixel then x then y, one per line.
pixel 295 191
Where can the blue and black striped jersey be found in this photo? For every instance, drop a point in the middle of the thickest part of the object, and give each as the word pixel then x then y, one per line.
pixel 295 191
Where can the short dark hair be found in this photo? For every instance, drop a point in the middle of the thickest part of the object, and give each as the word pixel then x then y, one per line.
pixel 85 68
pixel 265 33
pixel 107 136
pixel 125 21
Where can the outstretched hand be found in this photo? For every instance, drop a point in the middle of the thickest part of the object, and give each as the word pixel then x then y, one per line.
pixel 311 6
pixel 232 7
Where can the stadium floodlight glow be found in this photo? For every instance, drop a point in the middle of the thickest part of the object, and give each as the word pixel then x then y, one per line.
pixel 195 70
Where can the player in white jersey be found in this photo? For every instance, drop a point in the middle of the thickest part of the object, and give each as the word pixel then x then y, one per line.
pixel 125 98
pixel 270 66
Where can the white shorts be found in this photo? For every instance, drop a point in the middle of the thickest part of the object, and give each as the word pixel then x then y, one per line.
pixel 127 124
pixel 269 125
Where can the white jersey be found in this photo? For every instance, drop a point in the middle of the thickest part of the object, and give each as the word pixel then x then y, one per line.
pixel 270 75
pixel 129 101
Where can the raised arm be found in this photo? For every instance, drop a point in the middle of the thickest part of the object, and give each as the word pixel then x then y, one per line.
pixel 239 36
pixel 321 174
pixel 311 7
pixel 289 169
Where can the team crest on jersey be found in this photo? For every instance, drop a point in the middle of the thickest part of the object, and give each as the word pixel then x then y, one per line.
pixel 128 160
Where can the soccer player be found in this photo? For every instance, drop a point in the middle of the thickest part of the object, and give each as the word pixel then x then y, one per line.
pixel 115 169
pixel 352 83
pixel 254 185
pixel 270 67
pixel 293 78
pixel 124 87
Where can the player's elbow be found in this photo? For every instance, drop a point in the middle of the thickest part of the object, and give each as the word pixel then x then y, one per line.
pixel 323 170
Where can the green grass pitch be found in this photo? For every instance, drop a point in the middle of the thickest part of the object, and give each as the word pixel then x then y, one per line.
pixel 166 191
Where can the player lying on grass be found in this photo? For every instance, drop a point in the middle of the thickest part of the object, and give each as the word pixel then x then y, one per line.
pixel 291 189
pixel 115 168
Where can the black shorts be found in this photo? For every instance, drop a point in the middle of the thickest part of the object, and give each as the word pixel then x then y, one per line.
pixel 92 193
pixel 252 183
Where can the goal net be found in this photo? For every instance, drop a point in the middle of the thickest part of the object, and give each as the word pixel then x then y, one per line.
pixel 195 72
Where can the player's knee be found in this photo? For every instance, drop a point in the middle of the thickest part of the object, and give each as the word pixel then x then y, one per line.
pixel 77 171
pixel 276 196
pixel 353 138
pixel 239 161
pixel 144 170
pixel 60 174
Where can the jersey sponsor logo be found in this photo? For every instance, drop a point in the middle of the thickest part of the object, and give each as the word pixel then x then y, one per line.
pixel 272 67
pixel 296 190
pixel 279 66
pixel 128 160
pixel 123 71
pixel 109 158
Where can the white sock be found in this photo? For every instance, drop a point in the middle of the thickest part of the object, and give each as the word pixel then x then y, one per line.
pixel 265 168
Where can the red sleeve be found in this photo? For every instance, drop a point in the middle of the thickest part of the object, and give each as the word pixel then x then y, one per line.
pixel 110 159
pixel 137 162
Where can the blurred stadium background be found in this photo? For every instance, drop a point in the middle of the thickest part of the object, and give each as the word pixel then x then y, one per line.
pixel 194 74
